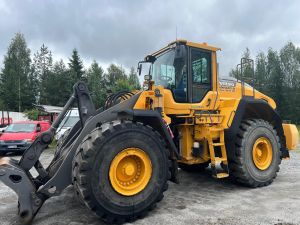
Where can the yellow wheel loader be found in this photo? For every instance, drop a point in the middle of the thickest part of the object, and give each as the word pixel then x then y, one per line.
pixel 120 158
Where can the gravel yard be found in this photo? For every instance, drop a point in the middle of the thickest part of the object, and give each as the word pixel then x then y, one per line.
pixel 198 199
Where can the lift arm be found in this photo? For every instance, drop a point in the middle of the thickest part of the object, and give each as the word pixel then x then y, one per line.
pixel 16 174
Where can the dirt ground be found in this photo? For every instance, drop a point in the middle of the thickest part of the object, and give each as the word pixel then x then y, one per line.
pixel 198 199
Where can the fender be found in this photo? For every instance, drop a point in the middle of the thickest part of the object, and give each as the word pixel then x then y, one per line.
pixel 258 109
pixel 153 118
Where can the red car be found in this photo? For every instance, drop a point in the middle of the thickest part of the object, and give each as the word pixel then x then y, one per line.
pixel 17 137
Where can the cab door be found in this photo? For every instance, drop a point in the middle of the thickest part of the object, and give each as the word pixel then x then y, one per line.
pixel 200 81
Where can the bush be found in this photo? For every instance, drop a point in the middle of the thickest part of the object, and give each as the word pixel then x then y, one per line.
pixel 32 114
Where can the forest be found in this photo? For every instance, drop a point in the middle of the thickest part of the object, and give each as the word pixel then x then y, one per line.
pixel 27 80
pixel 276 74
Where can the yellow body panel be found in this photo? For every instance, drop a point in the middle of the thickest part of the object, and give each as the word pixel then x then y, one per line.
pixel 291 136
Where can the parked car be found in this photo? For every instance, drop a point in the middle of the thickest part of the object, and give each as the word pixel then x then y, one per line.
pixel 17 137
pixel 68 122
pixel 2 129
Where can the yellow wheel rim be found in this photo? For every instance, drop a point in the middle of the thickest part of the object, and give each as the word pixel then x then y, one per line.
pixel 130 171
pixel 262 153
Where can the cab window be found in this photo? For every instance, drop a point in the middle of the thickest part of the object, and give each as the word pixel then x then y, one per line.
pixel 201 74
pixel 170 72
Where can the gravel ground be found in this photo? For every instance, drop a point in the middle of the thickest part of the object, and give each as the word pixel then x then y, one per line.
pixel 198 199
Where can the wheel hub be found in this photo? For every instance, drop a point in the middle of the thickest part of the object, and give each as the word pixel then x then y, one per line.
pixel 262 153
pixel 130 171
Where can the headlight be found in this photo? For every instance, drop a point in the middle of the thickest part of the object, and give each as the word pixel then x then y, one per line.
pixel 28 140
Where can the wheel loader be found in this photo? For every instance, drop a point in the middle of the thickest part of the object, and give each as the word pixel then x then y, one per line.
pixel 119 158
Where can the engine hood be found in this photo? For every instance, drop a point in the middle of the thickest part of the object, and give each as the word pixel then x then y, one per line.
pixel 16 136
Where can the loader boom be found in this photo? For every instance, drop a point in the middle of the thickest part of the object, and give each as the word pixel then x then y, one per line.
pixel 16 174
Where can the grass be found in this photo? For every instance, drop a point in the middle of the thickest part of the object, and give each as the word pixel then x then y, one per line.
pixel 53 144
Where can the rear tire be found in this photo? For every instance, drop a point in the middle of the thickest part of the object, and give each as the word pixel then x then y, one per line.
pixel 257 154
pixel 95 158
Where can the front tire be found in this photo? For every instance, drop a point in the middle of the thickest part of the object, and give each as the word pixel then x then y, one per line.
pixel 121 170
pixel 257 154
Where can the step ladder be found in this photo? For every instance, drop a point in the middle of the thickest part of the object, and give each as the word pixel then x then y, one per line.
pixel 221 160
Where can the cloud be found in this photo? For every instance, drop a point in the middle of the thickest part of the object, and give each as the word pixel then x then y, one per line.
pixel 125 31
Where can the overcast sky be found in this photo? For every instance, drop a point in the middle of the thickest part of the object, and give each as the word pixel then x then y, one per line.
pixel 123 32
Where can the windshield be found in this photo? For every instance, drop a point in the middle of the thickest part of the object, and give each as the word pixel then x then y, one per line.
pixel 69 121
pixel 20 128
pixel 170 72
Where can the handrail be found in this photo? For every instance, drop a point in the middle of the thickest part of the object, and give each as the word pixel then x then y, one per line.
pixel 240 71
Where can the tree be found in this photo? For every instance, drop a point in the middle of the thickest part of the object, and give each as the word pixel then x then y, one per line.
pixel 17 90
pixel 76 66
pixel 114 73
pixel 275 79
pixel 234 73
pixel 42 66
pixel 121 85
pixel 261 71
pixel 134 79
pixel 245 72
pixel 278 76
pixel 59 86
pixel 289 64
pixel 96 84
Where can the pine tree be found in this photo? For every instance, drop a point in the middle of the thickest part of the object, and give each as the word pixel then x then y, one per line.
pixel 59 88
pixel 275 79
pixel 245 72
pixel 17 90
pixel 96 84
pixel 42 66
pixel 260 71
pixel 76 66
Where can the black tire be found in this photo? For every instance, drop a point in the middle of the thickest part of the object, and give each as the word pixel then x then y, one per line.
pixel 242 167
pixel 93 160
pixel 194 167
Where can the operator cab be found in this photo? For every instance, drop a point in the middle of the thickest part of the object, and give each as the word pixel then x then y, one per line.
pixel 185 68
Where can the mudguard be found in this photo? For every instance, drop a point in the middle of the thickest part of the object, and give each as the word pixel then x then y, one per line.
pixel 250 107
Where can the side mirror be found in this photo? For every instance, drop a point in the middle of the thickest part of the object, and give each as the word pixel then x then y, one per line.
pixel 139 68
pixel 38 129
